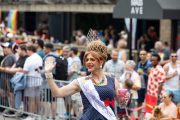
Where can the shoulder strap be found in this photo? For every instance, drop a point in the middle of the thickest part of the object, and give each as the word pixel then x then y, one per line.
pixel 49 55
pixel 92 95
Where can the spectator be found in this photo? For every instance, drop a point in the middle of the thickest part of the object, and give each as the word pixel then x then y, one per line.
pixel 67 100
pixel 80 38
pixel 121 46
pixel 167 107
pixel 65 51
pixel 125 96
pixel 149 55
pixel 142 41
pixel 40 47
pixel 152 38
pixel 34 80
pixel 114 67
pixel 172 77
pixel 48 50
pixel 6 86
pixel 143 67
pixel 74 64
pixel 166 110
pixel 73 73
pixel 18 67
pixel 166 46
pixel 131 74
pixel 163 53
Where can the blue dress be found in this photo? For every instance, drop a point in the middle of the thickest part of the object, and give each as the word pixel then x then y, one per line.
pixel 106 94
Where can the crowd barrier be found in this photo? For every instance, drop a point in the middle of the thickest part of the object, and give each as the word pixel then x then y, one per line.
pixel 36 99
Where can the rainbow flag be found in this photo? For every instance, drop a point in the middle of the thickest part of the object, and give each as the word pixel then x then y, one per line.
pixel 12 21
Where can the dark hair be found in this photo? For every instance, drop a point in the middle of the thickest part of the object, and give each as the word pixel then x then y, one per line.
pixel 23 47
pixel 40 43
pixel 157 56
pixel 128 83
pixel 171 95
pixel 32 48
pixel 173 52
pixel 14 48
pixel 75 50
pixel 49 46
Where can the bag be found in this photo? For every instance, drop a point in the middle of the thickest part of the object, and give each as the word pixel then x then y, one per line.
pixel 19 81
pixel 61 68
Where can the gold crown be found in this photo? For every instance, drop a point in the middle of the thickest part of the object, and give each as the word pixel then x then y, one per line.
pixel 95 44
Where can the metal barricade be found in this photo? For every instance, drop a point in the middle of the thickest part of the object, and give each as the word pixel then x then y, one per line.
pixel 36 99
pixel 6 91
pixel 19 100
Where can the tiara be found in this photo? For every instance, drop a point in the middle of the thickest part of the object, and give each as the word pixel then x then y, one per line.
pixel 95 44
pixel 92 36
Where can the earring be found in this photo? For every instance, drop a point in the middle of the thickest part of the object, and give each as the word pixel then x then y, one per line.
pixel 101 66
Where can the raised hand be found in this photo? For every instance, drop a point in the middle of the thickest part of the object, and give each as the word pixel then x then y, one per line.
pixel 49 64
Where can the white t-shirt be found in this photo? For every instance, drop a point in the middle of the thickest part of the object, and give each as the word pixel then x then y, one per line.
pixel 32 63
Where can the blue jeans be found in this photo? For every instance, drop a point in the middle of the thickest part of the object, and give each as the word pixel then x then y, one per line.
pixel 18 98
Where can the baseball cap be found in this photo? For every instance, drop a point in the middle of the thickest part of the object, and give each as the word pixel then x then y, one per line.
pixel 10 35
pixel 19 41
pixel 7 45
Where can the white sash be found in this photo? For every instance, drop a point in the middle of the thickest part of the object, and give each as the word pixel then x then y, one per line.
pixel 92 95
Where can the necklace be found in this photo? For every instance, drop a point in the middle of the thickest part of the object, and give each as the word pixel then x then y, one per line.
pixel 98 83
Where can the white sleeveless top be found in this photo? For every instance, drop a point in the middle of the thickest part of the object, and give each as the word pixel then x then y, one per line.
pixel 173 83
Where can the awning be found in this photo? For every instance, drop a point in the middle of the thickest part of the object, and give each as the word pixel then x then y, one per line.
pixel 147 9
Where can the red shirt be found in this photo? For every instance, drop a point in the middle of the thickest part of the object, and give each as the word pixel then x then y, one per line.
pixel 156 76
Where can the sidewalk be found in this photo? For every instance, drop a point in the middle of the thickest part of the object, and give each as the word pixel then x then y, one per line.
pixel 6 118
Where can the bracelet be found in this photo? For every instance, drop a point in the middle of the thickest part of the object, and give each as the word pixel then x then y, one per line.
pixel 49 75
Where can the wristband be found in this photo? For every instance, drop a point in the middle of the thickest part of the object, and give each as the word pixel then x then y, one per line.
pixel 49 75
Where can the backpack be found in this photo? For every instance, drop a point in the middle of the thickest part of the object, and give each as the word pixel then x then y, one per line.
pixel 61 68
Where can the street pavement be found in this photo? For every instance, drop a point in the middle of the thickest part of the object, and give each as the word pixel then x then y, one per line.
pixel 6 118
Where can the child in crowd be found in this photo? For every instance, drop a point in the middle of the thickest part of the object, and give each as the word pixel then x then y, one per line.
pixel 125 99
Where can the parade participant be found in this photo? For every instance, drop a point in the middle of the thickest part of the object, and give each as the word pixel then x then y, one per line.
pixel 97 90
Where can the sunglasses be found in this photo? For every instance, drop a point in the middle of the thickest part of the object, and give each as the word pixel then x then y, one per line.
pixel 154 60
pixel 173 56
